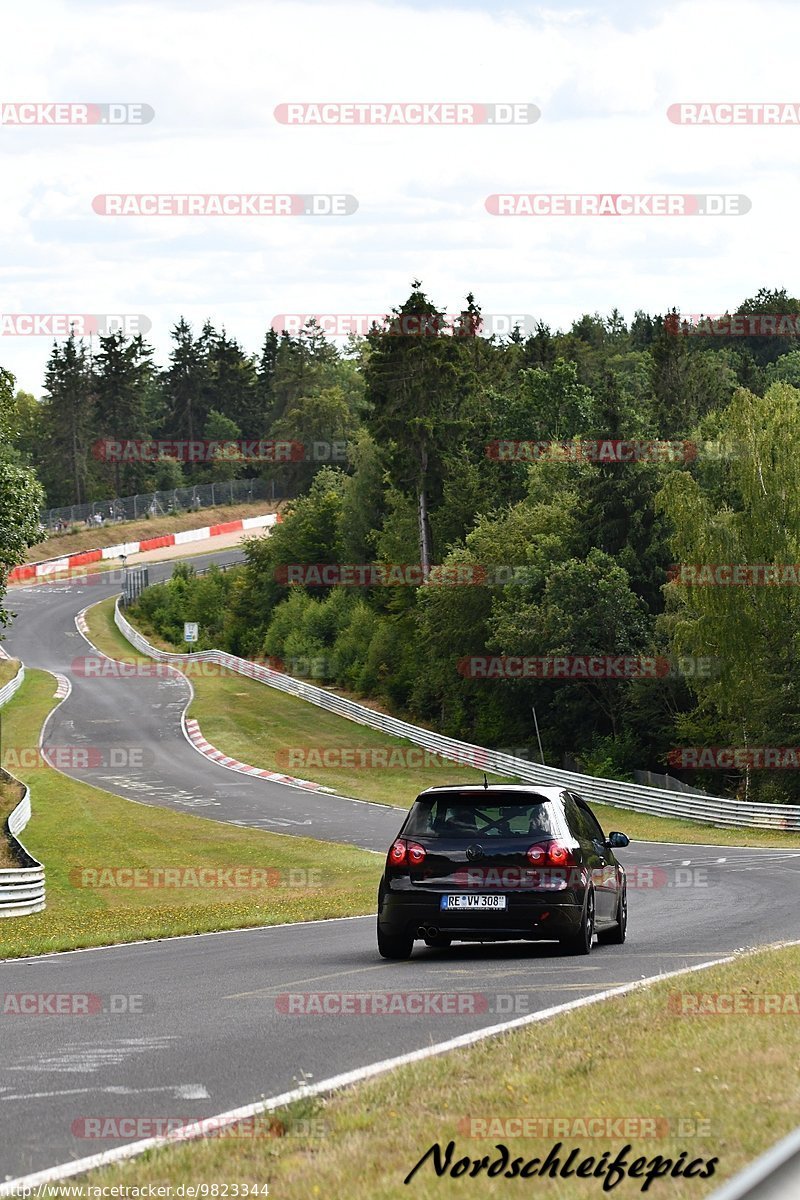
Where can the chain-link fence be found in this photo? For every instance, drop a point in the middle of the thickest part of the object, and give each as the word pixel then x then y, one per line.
pixel 666 782
pixel 129 508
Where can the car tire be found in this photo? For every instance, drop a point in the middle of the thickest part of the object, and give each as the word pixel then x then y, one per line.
pixel 581 942
pixel 396 946
pixel 616 935
pixel 440 942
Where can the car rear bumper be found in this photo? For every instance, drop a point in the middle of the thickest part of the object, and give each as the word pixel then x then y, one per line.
pixel 530 916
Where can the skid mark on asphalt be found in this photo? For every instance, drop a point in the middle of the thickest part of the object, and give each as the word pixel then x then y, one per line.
pixel 760 856
pixel 181 1091
pixel 77 1059
pixel 445 972
pixel 155 790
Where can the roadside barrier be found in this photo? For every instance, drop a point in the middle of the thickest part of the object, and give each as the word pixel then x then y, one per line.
pixel 711 810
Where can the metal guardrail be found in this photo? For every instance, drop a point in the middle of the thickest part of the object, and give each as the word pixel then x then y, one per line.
pixel 10 688
pixel 711 810
pixel 773 1176
pixel 21 888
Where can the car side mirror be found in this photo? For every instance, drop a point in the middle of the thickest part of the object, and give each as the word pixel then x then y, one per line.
pixel 616 841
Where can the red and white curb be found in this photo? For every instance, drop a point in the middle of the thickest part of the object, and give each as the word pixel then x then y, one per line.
pixel 57 566
pixel 204 746
pixel 64 687
pixel 191 731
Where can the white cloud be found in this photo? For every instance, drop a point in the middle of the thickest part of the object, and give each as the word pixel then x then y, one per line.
pixel 603 77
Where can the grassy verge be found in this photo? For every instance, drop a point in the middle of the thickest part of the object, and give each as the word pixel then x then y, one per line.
pixel 718 1086
pixel 254 723
pixel 8 669
pixel 97 536
pixel 75 826
pixel 10 795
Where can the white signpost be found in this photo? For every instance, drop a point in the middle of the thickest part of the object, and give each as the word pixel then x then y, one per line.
pixel 190 631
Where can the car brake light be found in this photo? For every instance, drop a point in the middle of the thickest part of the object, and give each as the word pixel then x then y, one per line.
pixel 560 855
pixel 397 854
pixel 550 854
pixel 404 854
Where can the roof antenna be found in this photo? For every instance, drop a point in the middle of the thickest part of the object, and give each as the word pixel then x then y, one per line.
pixel 485 780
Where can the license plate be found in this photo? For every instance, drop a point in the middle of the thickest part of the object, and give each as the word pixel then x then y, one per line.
pixel 470 902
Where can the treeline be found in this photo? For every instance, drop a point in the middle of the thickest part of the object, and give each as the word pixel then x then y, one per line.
pixel 542 560
pixel 211 389
pixel 304 389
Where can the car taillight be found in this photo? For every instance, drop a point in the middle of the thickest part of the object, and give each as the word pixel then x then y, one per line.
pixel 406 854
pixel 397 854
pixel 550 854
pixel 560 855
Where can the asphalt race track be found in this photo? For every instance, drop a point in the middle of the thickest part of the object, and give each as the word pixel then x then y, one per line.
pixel 215 1033
pixel 144 715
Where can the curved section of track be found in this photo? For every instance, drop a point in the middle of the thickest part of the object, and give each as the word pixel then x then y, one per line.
pixel 141 717
pixel 218 1030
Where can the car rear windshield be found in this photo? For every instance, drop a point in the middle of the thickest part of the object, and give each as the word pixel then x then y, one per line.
pixel 457 816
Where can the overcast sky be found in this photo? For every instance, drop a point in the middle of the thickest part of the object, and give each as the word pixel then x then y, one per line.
pixel 603 76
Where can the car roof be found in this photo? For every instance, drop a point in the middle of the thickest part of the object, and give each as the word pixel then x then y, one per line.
pixel 478 790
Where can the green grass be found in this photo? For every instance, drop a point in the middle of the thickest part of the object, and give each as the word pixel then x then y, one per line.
pixel 76 826
pixel 8 669
pixel 11 793
pixel 731 1080
pixel 253 722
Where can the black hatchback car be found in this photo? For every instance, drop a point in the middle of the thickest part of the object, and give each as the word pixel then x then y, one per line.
pixel 501 863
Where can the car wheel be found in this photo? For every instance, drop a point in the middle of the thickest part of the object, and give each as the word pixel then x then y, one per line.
pixel 395 945
pixel 439 942
pixel 581 942
pixel 616 935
